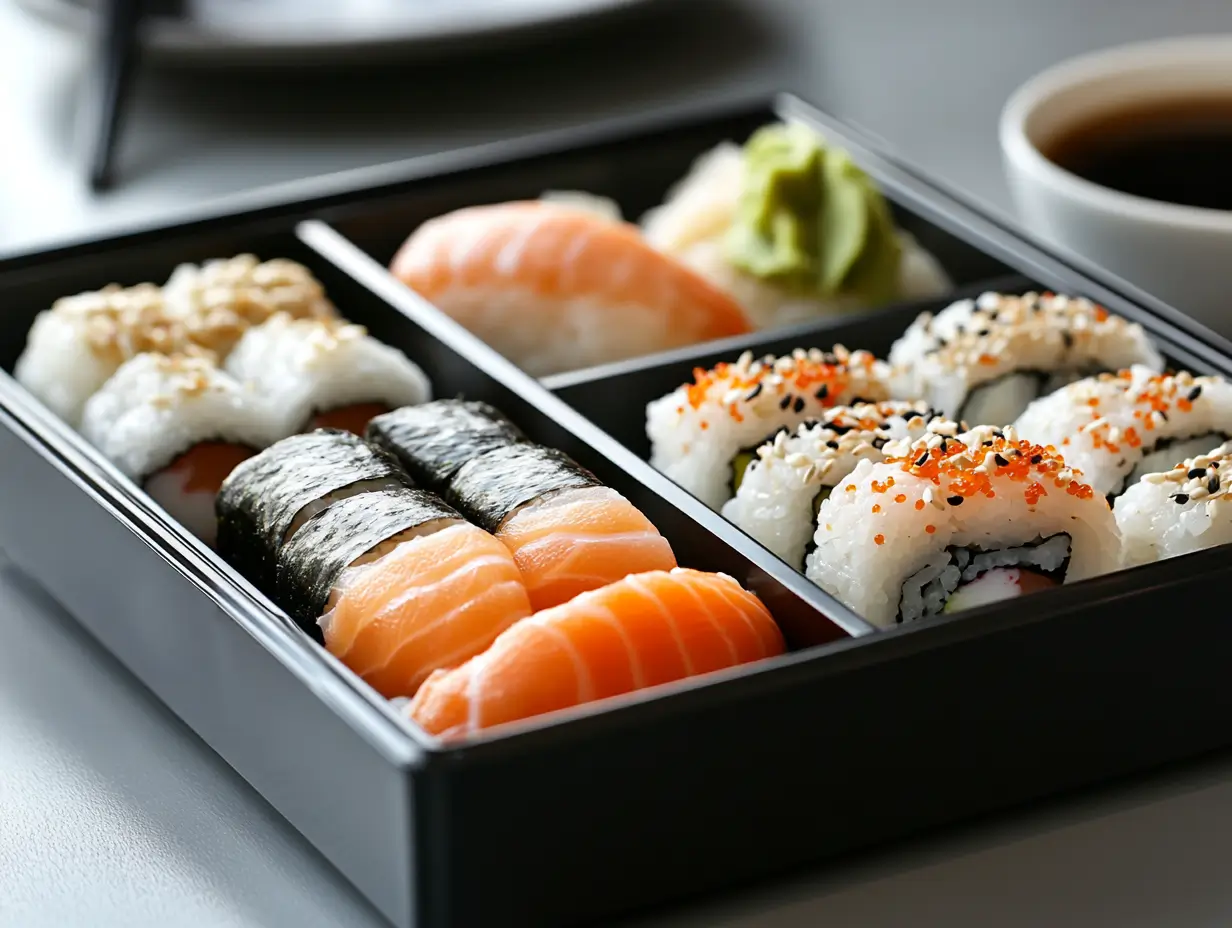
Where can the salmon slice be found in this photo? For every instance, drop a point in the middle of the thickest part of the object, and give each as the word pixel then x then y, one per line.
pixel 642 631
pixel 553 286
pixel 580 540
pixel 431 603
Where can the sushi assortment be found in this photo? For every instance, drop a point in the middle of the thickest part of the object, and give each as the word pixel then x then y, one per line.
pixel 178 384
pixel 1006 445
pixel 1003 446
pixel 781 229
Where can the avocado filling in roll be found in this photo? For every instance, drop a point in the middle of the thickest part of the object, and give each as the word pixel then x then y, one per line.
pixel 962 578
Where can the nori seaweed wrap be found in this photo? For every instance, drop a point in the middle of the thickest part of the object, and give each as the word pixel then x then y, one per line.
pixel 433 440
pixel 336 537
pixel 490 488
pixel 262 498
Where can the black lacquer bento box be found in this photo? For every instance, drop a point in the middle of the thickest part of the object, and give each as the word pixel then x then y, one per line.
pixel 850 739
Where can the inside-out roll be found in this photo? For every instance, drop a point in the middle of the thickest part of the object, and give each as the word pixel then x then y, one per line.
pixel 1185 508
pixel 178 426
pixel 1117 427
pixel 400 586
pixel 984 360
pixel 705 432
pixel 433 440
pixel 944 524
pixel 567 531
pixel 268 497
pixel 325 373
pixel 782 488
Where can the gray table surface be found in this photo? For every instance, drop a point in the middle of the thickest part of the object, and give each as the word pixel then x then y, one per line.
pixel 113 813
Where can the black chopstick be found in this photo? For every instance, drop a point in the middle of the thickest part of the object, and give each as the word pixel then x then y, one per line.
pixel 106 86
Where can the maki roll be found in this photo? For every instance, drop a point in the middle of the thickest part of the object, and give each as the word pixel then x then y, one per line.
pixel 777 499
pixel 984 360
pixel 568 533
pixel 433 440
pixel 945 524
pixel 400 586
pixel 555 287
pixel 178 426
pixel 1117 427
pixel 704 433
pixel 268 497
pixel 792 229
pixel 1173 512
pixel 325 373
pixel 74 347
pixel 642 631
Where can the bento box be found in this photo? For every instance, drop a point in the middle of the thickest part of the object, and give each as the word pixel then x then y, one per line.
pixel 853 736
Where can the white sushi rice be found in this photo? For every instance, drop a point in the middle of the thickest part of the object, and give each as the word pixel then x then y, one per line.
pixel 692 223
pixel 892 522
pixel 156 407
pixel 1115 427
pixel 1048 339
pixel 697 430
pixel 82 340
pixel 1186 508
pixel 603 207
pixel 305 366
pixel 775 500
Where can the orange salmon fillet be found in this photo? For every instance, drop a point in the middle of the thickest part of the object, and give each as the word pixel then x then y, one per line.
pixel 432 602
pixel 552 286
pixel 644 630
pixel 579 541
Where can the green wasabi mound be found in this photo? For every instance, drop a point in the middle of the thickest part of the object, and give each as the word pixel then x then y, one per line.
pixel 810 221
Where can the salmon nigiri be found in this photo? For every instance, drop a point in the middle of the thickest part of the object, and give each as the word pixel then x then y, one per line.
pixel 644 630
pixel 433 592
pixel 554 286
pixel 567 532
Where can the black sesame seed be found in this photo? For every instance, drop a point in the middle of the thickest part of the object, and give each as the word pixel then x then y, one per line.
pixel 1212 485
pixel 754 393
pixel 1001 462
pixel 944 446
pixel 954 500
pixel 987 444
pixel 1196 472
pixel 1036 458
pixel 922 460
pixel 1068 338
pixel 799 406
pixel 982 333
pixel 998 433
pixel 1195 393
pixel 785 401
pixel 1181 498
pixel 832 445
pixel 1163 415
pixel 823 391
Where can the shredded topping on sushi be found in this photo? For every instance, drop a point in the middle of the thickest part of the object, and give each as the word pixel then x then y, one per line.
pixel 1205 477
pixel 860 429
pixel 763 385
pixel 964 466
pixel 998 323
pixel 121 322
pixel 248 288
pixel 315 338
pixel 1152 396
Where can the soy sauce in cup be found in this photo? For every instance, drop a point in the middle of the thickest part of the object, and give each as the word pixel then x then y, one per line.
pixel 1173 151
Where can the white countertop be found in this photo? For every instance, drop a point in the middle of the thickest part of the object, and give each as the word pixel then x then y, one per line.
pixel 113 813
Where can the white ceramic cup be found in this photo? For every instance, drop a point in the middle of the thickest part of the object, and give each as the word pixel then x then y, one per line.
pixel 1181 254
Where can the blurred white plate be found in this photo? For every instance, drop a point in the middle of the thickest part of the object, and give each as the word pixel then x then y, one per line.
pixel 288 30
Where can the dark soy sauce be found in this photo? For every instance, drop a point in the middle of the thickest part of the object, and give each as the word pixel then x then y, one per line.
pixel 1177 151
